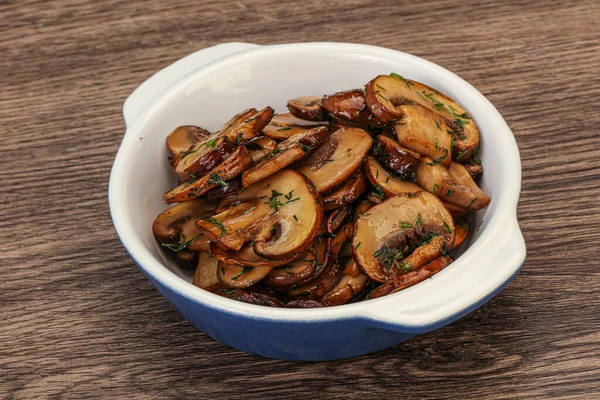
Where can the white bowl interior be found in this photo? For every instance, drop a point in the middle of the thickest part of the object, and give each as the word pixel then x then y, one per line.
pixel 211 96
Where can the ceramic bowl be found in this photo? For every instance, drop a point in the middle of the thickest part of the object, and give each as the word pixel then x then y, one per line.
pixel 206 88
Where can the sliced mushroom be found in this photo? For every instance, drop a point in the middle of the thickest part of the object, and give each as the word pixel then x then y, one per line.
pixel 286 276
pixel 385 94
pixel 233 166
pixel 281 214
pixel 240 277
pixel 259 147
pixel 182 139
pixel 186 258
pixel 475 169
pixel 412 278
pixel 284 126
pixel 453 185
pixel 456 211
pixel 286 153
pixel 403 162
pixel 347 193
pixel 240 128
pixel 336 159
pixel 257 297
pixel 385 237
pixel 337 218
pixel 424 132
pixel 384 182
pixel 176 227
pixel 205 276
pixel 230 188
pixel 332 272
pixel 349 105
pixel 462 232
pixel 361 208
pixel 246 257
pixel 307 107
pixel 351 284
pixel 301 303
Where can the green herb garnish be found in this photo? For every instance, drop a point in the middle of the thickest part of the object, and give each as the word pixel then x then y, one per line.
pixel 181 245
pixel 215 179
pixel 217 223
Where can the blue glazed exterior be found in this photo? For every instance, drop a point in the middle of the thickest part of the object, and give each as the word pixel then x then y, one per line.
pixel 293 341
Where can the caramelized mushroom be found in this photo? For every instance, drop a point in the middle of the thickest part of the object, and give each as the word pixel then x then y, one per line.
pixel 456 211
pixel 246 257
pixel 230 188
pixel 294 272
pixel 307 107
pixel 385 94
pixel 385 237
pixel 453 185
pixel 411 278
pixel 301 303
pixel 403 162
pixel 240 277
pixel 346 193
pixel 233 166
pixel 176 227
pixel 286 153
pixel 240 128
pixel 349 105
pixel 186 258
pixel 351 283
pixel 337 218
pixel 281 214
pixel 259 147
pixel 182 139
pixel 257 297
pixel 462 231
pixel 336 159
pixel 475 169
pixel 384 182
pixel 283 126
pixel 205 276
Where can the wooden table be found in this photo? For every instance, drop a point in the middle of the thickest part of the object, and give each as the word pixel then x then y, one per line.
pixel 79 320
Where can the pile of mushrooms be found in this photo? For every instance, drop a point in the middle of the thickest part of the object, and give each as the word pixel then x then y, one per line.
pixel 347 197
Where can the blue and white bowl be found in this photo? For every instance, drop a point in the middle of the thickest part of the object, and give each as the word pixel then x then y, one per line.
pixel 208 87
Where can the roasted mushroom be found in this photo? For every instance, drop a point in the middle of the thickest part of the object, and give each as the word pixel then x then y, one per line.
pixel 233 166
pixel 411 278
pixel 294 272
pixel 252 295
pixel 307 107
pixel 246 257
pixel 288 151
pixel 346 193
pixel 385 95
pixel 349 105
pixel 384 182
pixel 453 185
pixel 182 139
pixel 176 227
pixel 240 128
pixel 229 188
pixel 205 276
pixel 281 214
pixel 337 218
pixel 283 126
pixel 336 159
pixel 259 147
pixel 351 283
pixel 240 277
pixel 402 234
pixel 403 162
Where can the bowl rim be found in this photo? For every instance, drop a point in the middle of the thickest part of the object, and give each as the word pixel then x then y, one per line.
pixel 502 230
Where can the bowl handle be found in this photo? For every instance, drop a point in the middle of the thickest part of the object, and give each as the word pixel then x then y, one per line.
pixel 152 87
pixel 507 251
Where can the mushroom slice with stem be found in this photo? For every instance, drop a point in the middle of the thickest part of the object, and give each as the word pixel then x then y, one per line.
pixel 403 162
pixel 176 227
pixel 452 185
pixel 385 182
pixel 182 139
pixel 307 107
pixel 424 132
pixel 336 159
pixel 240 277
pixel 230 188
pixel 332 272
pixel 286 153
pixel 246 257
pixel 351 283
pixel 283 126
pixel 401 234
pixel 242 127
pixel 337 218
pixel 259 147
pixel 347 193
pixel 385 94
pixel 233 166
pixel 205 276
pixel 350 105
pixel 412 278
pixel 286 276
pixel 281 215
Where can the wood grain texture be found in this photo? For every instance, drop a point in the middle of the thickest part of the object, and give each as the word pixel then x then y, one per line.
pixel 77 318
